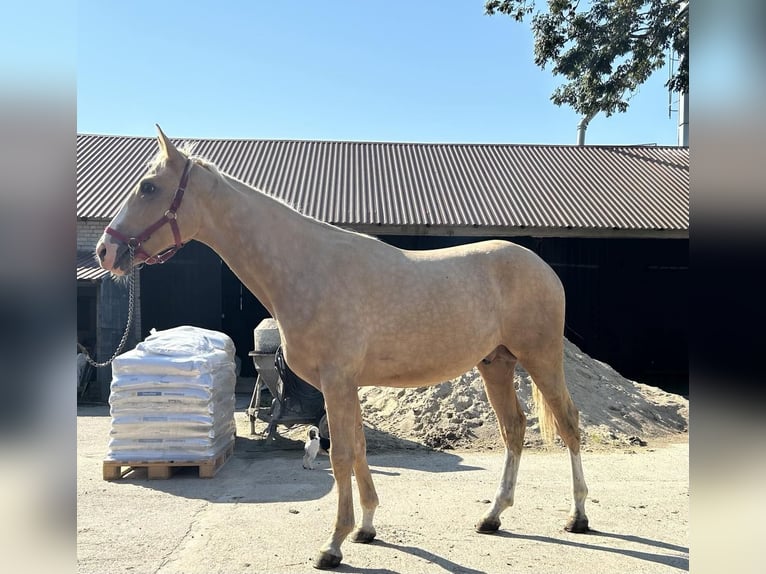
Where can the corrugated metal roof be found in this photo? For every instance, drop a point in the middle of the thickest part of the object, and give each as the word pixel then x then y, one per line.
pixel 87 266
pixel 516 188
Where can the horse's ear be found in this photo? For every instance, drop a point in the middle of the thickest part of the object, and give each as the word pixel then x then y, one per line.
pixel 167 148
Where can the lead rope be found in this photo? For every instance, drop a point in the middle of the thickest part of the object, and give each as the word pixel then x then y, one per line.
pixel 131 304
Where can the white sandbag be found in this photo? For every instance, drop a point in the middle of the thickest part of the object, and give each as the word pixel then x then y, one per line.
pixel 221 378
pixel 144 381
pixel 167 448
pixel 186 340
pixel 168 393
pixel 181 400
pixel 204 394
pixel 138 362
pixel 173 425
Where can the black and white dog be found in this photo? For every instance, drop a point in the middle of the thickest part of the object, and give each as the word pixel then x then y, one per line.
pixel 314 445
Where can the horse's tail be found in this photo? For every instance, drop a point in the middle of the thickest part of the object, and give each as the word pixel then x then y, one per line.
pixel 545 416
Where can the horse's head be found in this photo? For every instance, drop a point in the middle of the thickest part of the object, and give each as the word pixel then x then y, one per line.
pixel 157 217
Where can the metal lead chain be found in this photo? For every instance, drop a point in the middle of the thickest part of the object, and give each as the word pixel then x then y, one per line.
pixel 131 305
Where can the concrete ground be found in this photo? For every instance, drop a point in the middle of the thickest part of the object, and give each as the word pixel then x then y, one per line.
pixel 264 513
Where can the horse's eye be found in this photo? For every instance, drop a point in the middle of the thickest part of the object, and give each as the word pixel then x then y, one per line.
pixel 147 188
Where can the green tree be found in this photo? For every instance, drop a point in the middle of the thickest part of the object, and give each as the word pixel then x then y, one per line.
pixel 606 49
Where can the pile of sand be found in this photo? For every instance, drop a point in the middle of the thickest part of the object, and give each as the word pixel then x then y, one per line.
pixel 614 411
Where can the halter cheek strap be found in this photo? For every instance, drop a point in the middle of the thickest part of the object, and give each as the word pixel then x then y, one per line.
pixel 169 217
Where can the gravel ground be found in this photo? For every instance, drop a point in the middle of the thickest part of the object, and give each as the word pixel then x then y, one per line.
pixel 264 513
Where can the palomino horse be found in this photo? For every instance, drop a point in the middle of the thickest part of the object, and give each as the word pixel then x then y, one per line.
pixel 354 311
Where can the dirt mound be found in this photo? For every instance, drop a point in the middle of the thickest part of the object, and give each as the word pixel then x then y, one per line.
pixel 614 411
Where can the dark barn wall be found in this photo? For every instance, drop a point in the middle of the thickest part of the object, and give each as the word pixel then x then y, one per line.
pixel 626 299
pixel 87 331
pixel 186 290
pixel 87 313
pixel 627 304
pixel 111 322
pixel 241 314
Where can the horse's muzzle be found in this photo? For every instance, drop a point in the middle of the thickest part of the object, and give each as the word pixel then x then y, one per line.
pixel 114 256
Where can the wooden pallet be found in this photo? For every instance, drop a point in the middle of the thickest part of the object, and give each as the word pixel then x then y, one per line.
pixel 163 469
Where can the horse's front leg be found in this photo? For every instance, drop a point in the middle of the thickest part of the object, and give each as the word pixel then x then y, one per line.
pixel 342 402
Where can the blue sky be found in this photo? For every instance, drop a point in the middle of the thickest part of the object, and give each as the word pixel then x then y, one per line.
pixel 393 70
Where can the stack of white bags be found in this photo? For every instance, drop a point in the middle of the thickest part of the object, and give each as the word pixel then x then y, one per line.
pixel 172 397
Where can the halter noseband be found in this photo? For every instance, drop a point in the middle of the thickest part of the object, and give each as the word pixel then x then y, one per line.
pixel 168 217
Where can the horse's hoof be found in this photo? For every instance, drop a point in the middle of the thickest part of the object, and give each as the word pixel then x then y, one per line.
pixel 326 561
pixel 363 536
pixel 488 525
pixel 577 524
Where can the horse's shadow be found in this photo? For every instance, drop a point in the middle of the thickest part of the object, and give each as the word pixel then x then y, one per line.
pixel 409 454
pixel 448 565
pixel 426 461
pixel 680 562
pixel 262 471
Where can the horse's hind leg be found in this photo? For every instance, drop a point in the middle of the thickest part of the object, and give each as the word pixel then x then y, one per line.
pixel 497 371
pixel 547 372
pixel 368 498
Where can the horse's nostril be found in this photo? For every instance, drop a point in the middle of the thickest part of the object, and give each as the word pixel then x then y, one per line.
pixel 101 253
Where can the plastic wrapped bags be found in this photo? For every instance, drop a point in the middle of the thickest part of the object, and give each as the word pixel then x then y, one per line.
pixel 172 397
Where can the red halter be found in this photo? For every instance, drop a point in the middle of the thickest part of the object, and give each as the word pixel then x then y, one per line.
pixel 168 217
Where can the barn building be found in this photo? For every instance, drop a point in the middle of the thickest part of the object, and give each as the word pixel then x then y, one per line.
pixel 612 221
